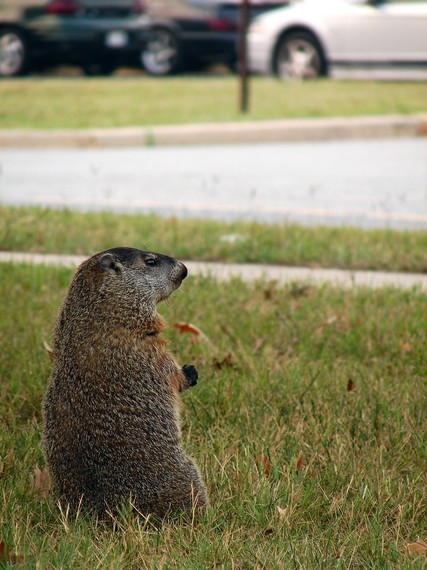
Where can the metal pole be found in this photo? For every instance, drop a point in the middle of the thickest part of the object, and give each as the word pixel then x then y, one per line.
pixel 243 57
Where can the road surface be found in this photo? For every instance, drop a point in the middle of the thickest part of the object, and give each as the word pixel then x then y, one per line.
pixel 375 183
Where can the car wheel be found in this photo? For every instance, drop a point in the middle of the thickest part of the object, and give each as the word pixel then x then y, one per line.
pixel 13 53
pixel 161 54
pixel 299 56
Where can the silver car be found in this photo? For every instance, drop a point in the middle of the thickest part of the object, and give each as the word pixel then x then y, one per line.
pixel 382 39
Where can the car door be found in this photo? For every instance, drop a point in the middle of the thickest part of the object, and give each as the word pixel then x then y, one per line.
pixel 385 31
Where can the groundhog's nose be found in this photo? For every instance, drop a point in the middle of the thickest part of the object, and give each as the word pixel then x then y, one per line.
pixel 184 271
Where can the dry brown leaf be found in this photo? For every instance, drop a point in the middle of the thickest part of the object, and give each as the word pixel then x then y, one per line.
pixel 351 385
pixel 191 329
pixel 265 464
pixel 6 557
pixel 282 512
pixel 300 462
pixel 419 547
pixel 41 481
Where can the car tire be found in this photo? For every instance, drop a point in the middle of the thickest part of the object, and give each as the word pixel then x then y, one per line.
pixel 299 56
pixel 162 53
pixel 14 53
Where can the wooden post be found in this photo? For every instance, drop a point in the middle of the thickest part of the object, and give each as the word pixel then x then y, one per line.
pixel 243 57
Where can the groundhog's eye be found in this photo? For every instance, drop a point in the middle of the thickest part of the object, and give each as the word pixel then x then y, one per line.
pixel 150 261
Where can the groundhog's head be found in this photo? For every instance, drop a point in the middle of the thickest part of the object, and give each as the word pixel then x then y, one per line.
pixel 127 277
pixel 135 272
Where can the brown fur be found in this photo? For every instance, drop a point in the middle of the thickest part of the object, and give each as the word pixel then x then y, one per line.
pixel 112 429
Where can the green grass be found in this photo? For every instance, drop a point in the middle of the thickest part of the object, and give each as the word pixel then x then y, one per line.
pixel 65 231
pixel 271 424
pixel 85 103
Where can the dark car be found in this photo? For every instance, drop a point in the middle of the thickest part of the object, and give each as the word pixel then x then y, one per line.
pixel 98 35
pixel 183 36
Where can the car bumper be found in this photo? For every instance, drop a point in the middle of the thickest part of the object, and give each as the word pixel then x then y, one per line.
pixel 259 54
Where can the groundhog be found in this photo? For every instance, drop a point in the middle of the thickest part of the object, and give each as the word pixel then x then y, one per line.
pixel 111 410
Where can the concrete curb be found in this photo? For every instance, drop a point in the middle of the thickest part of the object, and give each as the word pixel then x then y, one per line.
pixel 221 133
pixel 253 272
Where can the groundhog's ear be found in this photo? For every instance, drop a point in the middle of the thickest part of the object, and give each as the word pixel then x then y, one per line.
pixel 110 262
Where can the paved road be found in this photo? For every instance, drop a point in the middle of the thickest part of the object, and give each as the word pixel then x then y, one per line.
pixel 375 183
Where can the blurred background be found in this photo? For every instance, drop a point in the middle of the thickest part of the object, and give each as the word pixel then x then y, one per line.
pixel 176 62
pixel 100 36
pixel 307 39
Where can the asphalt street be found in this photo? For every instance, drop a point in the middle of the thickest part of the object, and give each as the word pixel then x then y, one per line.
pixel 368 183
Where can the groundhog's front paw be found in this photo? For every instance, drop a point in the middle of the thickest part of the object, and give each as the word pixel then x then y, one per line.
pixel 191 374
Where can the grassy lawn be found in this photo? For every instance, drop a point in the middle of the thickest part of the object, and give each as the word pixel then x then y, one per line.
pixel 117 102
pixel 308 423
pixel 66 231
